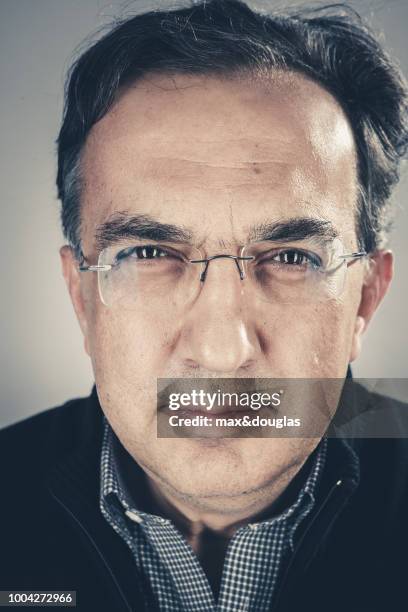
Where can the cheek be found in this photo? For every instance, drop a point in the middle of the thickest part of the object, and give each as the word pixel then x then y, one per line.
pixel 310 342
pixel 129 352
pixel 131 344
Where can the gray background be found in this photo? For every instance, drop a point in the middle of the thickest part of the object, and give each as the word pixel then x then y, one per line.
pixel 42 359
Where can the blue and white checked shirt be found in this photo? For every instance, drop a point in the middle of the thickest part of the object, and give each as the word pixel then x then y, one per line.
pixel 174 580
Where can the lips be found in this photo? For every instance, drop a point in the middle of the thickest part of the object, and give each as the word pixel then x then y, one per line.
pixel 223 397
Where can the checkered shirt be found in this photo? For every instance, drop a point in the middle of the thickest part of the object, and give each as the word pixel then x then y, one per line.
pixel 174 579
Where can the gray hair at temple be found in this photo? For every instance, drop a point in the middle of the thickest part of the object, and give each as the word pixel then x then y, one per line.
pixel 331 45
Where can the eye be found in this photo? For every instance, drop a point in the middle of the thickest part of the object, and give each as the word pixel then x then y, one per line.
pixel 145 252
pixel 148 252
pixel 291 258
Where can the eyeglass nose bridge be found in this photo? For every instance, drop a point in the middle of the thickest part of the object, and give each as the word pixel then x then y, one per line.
pixel 236 258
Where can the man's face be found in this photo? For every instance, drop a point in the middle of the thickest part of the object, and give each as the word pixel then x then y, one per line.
pixel 217 158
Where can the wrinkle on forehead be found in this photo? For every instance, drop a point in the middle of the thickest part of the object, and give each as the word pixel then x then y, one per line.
pixel 217 174
pixel 189 161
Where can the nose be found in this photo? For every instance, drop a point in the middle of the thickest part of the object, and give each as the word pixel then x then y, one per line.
pixel 217 334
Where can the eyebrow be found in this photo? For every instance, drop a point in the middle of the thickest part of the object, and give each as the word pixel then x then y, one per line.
pixel 122 226
pixel 296 228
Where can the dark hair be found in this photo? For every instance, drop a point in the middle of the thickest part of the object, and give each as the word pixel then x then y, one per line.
pixel 330 44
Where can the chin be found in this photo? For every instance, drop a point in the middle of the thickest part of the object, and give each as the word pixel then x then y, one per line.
pixel 215 469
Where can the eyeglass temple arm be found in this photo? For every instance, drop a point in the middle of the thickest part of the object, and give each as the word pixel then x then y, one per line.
pixel 92 268
pixel 353 256
pixel 103 268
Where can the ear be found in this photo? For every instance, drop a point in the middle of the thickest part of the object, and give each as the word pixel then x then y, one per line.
pixel 72 277
pixel 377 279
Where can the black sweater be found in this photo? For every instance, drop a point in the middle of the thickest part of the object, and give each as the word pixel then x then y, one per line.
pixel 352 554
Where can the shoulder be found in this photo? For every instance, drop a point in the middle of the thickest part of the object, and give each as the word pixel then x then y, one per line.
pixel 29 446
pixel 374 422
pixel 380 441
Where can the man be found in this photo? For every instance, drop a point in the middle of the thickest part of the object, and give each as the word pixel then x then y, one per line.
pixel 273 143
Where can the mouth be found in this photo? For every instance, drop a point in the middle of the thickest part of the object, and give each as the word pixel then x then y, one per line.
pixel 226 398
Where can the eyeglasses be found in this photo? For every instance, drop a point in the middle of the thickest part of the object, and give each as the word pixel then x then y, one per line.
pixel 156 273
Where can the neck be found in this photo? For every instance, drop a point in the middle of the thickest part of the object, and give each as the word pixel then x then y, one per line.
pixel 195 517
pixel 208 531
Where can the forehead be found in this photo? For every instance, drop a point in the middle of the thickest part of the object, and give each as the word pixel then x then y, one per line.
pixel 209 153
